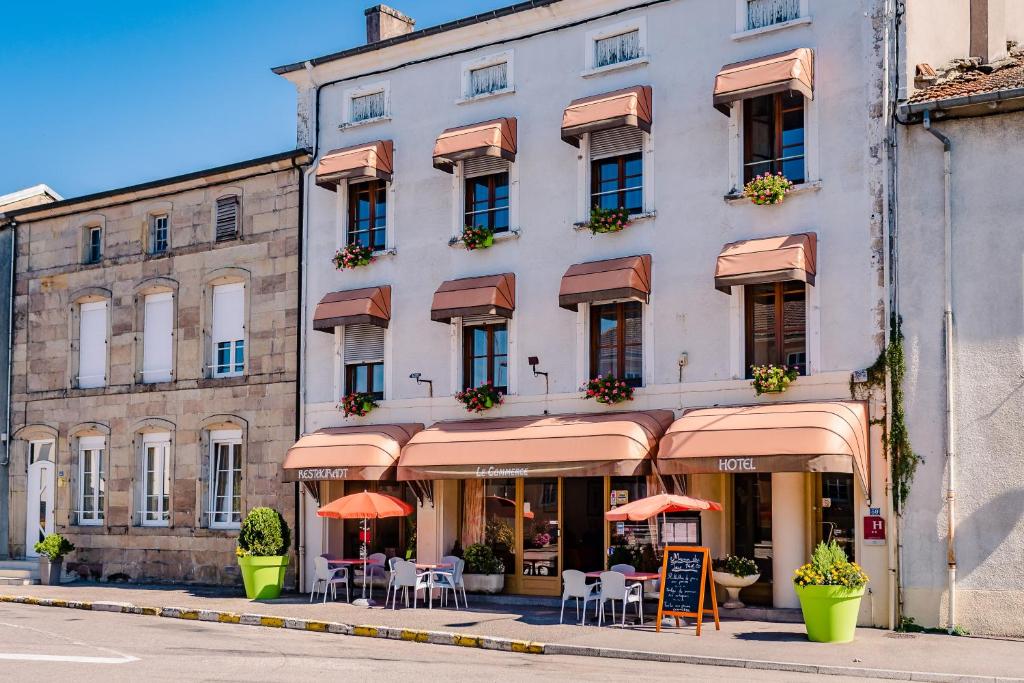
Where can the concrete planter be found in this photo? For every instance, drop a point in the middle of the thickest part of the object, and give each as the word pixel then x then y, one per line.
pixel 50 570
pixel 484 583
pixel 733 585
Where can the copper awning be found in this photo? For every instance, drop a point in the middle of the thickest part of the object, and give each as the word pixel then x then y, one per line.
pixel 793 70
pixel 359 453
pixel 828 436
pixel 597 444
pixel 495 138
pixel 626 107
pixel 484 295
pixel 352 307
pixel 770 259
pixel 617 278
pixel 372 160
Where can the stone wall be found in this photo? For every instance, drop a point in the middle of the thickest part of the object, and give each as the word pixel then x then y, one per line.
pixel 261 403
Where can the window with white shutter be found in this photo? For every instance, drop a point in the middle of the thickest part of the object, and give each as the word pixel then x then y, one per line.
pixel 155 489
pixel 228 330
pixel 157 337
pixel 364 359
pixel 225 485
pixel 227 218
pixel 92 345
pixel 91 480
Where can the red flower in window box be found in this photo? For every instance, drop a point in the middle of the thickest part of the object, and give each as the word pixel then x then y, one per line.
pixel 608 220
pixel 357 404
pixel 608 390
pixel 353 256
pixel 479 237
pixel 481 398
pixel 772 379
pixel 768 189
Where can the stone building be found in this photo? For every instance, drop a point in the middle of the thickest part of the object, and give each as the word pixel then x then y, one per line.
pixel 154 369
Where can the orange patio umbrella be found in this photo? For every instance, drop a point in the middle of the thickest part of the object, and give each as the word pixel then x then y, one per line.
pixel 662 503
pixel 365 505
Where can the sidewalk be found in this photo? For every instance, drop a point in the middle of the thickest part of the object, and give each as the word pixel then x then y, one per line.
pixel 751 644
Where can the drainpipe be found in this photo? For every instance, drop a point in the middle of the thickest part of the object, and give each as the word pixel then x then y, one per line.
pixel 947 325
pixel 5 460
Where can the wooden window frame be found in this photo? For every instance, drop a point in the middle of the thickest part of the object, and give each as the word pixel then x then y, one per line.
pixel 492 209
pixel 778 114
pixel 93 249
pixel 620 341
pixel 154 234
pixel 748 326
pixel 350 378
pixel 621 189
pixel 374 188
pixel 468 357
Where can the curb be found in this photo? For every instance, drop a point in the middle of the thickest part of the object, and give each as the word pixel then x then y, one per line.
pixel 495 643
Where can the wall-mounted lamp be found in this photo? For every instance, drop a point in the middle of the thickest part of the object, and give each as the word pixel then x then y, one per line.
pixel 430 383
pixel 533 362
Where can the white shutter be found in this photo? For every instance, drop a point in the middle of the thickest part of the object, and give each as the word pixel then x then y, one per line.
pixel 228 312
pixel 158 328
pixel 227 218
pixel 364 344
pixel 616 142
pixel 92 345
pixel 479 166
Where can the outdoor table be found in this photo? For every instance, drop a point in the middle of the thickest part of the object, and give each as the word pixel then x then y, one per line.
pixel 634 576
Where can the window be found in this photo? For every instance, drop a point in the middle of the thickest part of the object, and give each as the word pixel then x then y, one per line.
pixel 39 450
pixel 92 344
pixel 369 106
pixel 617 169
pixel 616 341
pixel 227 218
pixel 91 480
pixel 488 79
pixel 158 234
pixel 776 325
pixel 93 244
pixel 225 479
pixel 486 193
pixel 623 47
pixel 367 214
pixel 156 480
pixel 773 136
pixel 761 13
pixel 485 355
pixel 158 337
pixel 364 359
pixel 228 330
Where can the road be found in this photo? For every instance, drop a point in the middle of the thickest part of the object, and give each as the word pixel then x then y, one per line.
pixel 39 643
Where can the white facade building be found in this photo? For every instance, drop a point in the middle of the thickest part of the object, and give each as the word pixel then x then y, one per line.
pixel 375 113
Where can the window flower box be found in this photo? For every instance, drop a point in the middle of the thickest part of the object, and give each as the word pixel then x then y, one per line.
pixel 768 189
pixel 608 390
pixel 608 220
pixel 479 237
pixel 772 379
pixel 353 256
pixel 479 399
pixel 357 404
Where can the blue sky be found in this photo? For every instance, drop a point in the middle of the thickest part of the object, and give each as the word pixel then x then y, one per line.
pixel 98 95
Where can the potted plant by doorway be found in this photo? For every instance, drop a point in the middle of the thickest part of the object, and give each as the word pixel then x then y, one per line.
pixel 483 572
pixel 52 550
pixel 263 553
pixel 734 573
pixel 830 588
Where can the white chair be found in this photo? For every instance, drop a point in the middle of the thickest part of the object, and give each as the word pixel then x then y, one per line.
pixel 329 577
pixel 613 587
pixel 450 579
pixel 574 585
pixel 406 577
pixel 391 578
pixel 375 566
pixel 623 568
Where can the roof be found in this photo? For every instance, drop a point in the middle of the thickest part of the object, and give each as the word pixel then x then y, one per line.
pixel 42 190
pixel 969 79
pixel 195 175
pixel 416 35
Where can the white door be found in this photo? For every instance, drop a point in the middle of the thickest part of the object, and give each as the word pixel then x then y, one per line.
pixel 39 516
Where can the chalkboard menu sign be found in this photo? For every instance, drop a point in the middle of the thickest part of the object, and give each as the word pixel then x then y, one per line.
pixel 686 579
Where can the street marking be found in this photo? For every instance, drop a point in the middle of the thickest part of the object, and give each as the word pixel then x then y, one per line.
pixel 25 657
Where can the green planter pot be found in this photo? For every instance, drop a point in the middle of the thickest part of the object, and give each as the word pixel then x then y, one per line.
pixel 830 612
pixel 263 576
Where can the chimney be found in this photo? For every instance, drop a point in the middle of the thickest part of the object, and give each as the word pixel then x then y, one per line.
pixel 988 30
pixel 383 22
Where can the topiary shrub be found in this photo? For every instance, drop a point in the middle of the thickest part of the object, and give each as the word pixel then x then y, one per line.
pixel 264 534
pixel 480 559
pixel 54 546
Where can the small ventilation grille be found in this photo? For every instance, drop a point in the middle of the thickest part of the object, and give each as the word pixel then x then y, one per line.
pixel 227 218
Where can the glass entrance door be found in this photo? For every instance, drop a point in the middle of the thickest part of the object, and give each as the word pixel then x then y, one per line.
pixel 837 511
pixel 541 531
pixel 752 530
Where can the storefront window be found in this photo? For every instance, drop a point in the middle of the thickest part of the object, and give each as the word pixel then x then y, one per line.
pixel 393 536
pixel 837 515
pixel 540 527
pixel 500 525
pixel 632 543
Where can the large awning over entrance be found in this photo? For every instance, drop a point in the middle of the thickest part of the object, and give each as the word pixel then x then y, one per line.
pixel 358 453
pixel 495 138
pixel 626 107
pixel 793 70
pixel 599 444
pixel 769 259
pixel 829 436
